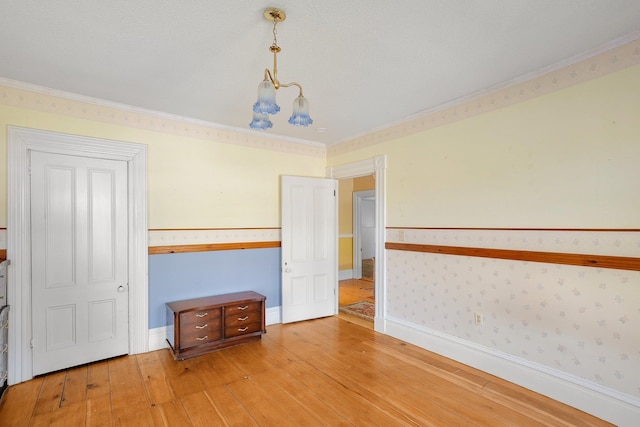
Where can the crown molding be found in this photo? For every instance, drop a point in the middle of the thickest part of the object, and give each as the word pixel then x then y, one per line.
pixel 151 119
pixel 618 54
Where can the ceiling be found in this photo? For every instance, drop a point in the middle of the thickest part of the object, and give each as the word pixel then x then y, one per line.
pixel 363 65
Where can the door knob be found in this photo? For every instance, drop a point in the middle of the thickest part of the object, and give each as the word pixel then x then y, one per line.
pixel 120 288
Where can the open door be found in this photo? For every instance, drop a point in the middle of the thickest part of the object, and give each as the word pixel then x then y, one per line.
pixel 309 248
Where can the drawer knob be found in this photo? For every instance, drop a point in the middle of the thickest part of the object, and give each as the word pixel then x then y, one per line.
pixel 242 319
pixel 243 329
pixel 244 307
pixel 202 338
pixel 201 326
pixel 202 314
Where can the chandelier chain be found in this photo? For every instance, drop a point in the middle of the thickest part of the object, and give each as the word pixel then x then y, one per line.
pixel 275 32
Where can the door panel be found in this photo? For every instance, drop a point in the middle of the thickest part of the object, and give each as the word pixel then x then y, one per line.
pixel 60 245
pixel 79 260
pixel 309 248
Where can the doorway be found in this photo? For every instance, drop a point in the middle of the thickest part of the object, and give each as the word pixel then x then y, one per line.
pixel 21 142
pixel 357 296
pixel 375 168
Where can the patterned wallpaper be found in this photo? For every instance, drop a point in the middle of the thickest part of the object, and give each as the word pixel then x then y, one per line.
pixel 170 237
pixel 582 321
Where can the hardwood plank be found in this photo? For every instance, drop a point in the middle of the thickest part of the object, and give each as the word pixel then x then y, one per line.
pixel 245 361
pixel 215 369
pixel 349 403
pixel 148 417
pixel 75 386
pixel 128 394
pixel 254 357
pixel 543 407
pixel 229 408
pixel 462 376
pixel 174 415
pixel 354 290
pixel 420 392
pixel 279 378
pixel 50 393
pixel 154 379
pixel 295 410
pixel 73 414
pixel 183 375
pixel 98 379
pixel 38 420
pixel 397 393
pixel 19 401
pixel 271 408
pixel 99 411
pixel 200 410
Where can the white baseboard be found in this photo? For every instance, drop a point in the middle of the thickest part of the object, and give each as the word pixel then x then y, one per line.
pixel 273 316
pixel 345 274
pixel 158 336
pixel 610 405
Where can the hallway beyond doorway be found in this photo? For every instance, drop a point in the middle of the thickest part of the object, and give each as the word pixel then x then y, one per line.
pixel 352 291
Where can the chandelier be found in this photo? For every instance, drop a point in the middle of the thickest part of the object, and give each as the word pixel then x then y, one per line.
pixel 266 103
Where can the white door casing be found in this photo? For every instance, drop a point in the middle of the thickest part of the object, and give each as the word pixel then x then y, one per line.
pixel 20 142
pixel 79 260
pixel 309 248
pixel 375 166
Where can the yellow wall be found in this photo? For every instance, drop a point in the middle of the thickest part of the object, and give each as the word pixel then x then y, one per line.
pixel 568 159
pixel 364 183
pixel 193 182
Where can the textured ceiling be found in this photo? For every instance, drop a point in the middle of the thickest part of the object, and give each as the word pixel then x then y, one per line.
pixel 363 64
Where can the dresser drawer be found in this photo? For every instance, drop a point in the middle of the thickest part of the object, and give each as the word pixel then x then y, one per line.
pixel 242 319
pixel 242 308
pixel 200 317
pixel 192 336
pixel 236 331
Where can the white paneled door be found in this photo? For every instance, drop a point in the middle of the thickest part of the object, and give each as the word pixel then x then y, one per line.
pixel 79 260
pixel 309 248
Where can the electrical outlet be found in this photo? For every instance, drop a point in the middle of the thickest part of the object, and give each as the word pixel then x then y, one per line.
pixel 478 319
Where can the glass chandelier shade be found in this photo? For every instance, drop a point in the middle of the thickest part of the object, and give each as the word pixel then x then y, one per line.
pixel 300 116
pixel 266 103
pixel 260 122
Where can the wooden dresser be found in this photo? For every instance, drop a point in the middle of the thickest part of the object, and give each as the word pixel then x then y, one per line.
pixel 201 325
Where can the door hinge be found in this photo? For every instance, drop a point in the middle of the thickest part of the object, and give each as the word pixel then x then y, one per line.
pixel 31 343
pixel 334 193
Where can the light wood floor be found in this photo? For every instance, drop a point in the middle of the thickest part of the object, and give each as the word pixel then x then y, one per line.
pixel 325 372
pixel 355 290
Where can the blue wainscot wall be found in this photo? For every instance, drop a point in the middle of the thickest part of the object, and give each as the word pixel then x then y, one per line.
pixel 174 277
